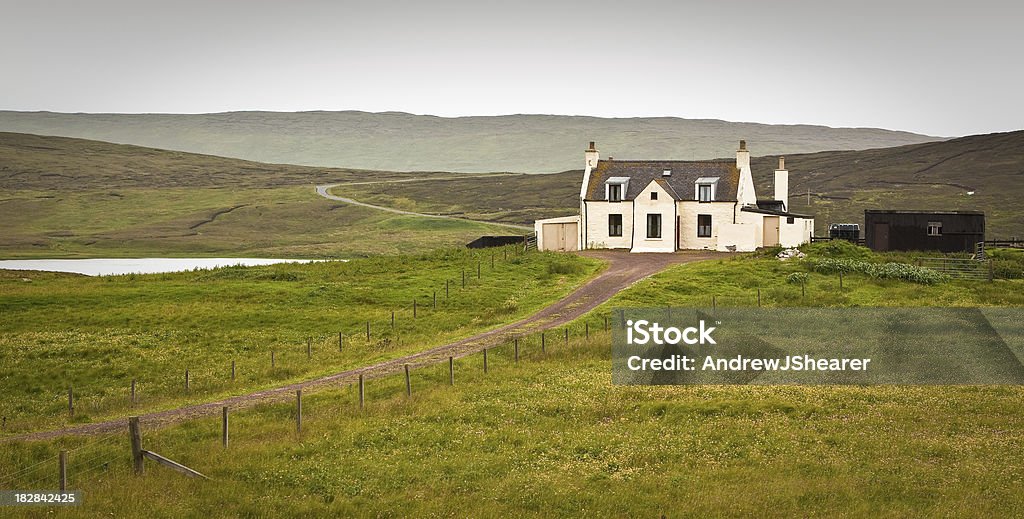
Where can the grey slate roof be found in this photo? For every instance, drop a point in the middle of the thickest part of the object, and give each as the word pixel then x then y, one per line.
pixel 684 174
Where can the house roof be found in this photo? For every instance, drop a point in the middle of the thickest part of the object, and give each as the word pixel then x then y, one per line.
pixel 773 212
pixel 680 184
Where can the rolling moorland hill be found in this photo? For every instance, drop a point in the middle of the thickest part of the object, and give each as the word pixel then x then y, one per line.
pixel 406 142
pixel 62 197
pixel 842 184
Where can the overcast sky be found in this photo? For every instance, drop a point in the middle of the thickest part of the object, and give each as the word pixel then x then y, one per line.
pixel 908 65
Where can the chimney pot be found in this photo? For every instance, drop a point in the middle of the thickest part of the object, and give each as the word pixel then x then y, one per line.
pixel 782 163
pixel 743 145
pixel 591 146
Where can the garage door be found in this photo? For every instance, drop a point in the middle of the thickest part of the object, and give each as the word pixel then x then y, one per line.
pixel 560 236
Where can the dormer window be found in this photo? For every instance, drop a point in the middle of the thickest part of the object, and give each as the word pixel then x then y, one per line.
pixel 614 192
pixel 615 188
pixel 666 173
pixel 705 188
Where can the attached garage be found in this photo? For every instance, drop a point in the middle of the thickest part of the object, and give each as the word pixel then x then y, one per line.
pixel 558 234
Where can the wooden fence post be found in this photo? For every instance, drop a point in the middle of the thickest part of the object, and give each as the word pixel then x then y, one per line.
pixel 134 400
pixel 341 341
pixel 187 386
pixel 63 468
pixel 71 402
pixel 408 382
pixel 362 392
pixel 413 308
pixel 586 331
pixel 759 297
pixel 542 341
pixel 392 321
pixel 367 331
pixel 451 371
pixel 567 336
pixel 298 410
pixel 232 371
pixel 485 361
pixel 136 440
pixel 606 323
pixel 516 346
pixel 224 426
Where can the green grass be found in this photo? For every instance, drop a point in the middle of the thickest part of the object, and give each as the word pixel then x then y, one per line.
pixel 551 436
pixel 97 334
pixel 182 222
pixel 67 198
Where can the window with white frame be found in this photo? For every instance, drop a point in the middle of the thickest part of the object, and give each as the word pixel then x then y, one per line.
pixel 615 188
pixel 704 189
pixel 614 192
pixel 934 228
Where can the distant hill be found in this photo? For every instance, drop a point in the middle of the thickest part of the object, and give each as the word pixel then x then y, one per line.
pixel 405 142
pixel 841 184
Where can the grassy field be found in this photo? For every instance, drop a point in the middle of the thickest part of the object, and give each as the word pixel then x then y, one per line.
pixel 551 436
pixel 96 334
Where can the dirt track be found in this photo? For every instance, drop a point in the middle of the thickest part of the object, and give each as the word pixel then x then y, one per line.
pixel 623 270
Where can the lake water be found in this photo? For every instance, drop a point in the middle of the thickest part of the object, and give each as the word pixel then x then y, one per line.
pixel 111 266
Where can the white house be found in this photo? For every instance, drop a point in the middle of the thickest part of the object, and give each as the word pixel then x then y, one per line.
pixel 668 205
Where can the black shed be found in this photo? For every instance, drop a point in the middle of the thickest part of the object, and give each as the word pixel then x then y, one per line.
pixel 945 231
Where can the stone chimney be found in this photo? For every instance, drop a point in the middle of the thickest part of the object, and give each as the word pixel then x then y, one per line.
pixel 742 156
pixel 590 158
pixel 782 183
pixel 745 194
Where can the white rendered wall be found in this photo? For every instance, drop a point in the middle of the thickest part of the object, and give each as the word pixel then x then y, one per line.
pixel 664 205
pixel 796 233
pixel 596 232
pixel 737 237
pixel 721 213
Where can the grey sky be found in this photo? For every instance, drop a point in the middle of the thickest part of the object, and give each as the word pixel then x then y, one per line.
pixel 918 66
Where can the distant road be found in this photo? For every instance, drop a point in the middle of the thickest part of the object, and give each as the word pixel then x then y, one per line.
pixel 322 190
